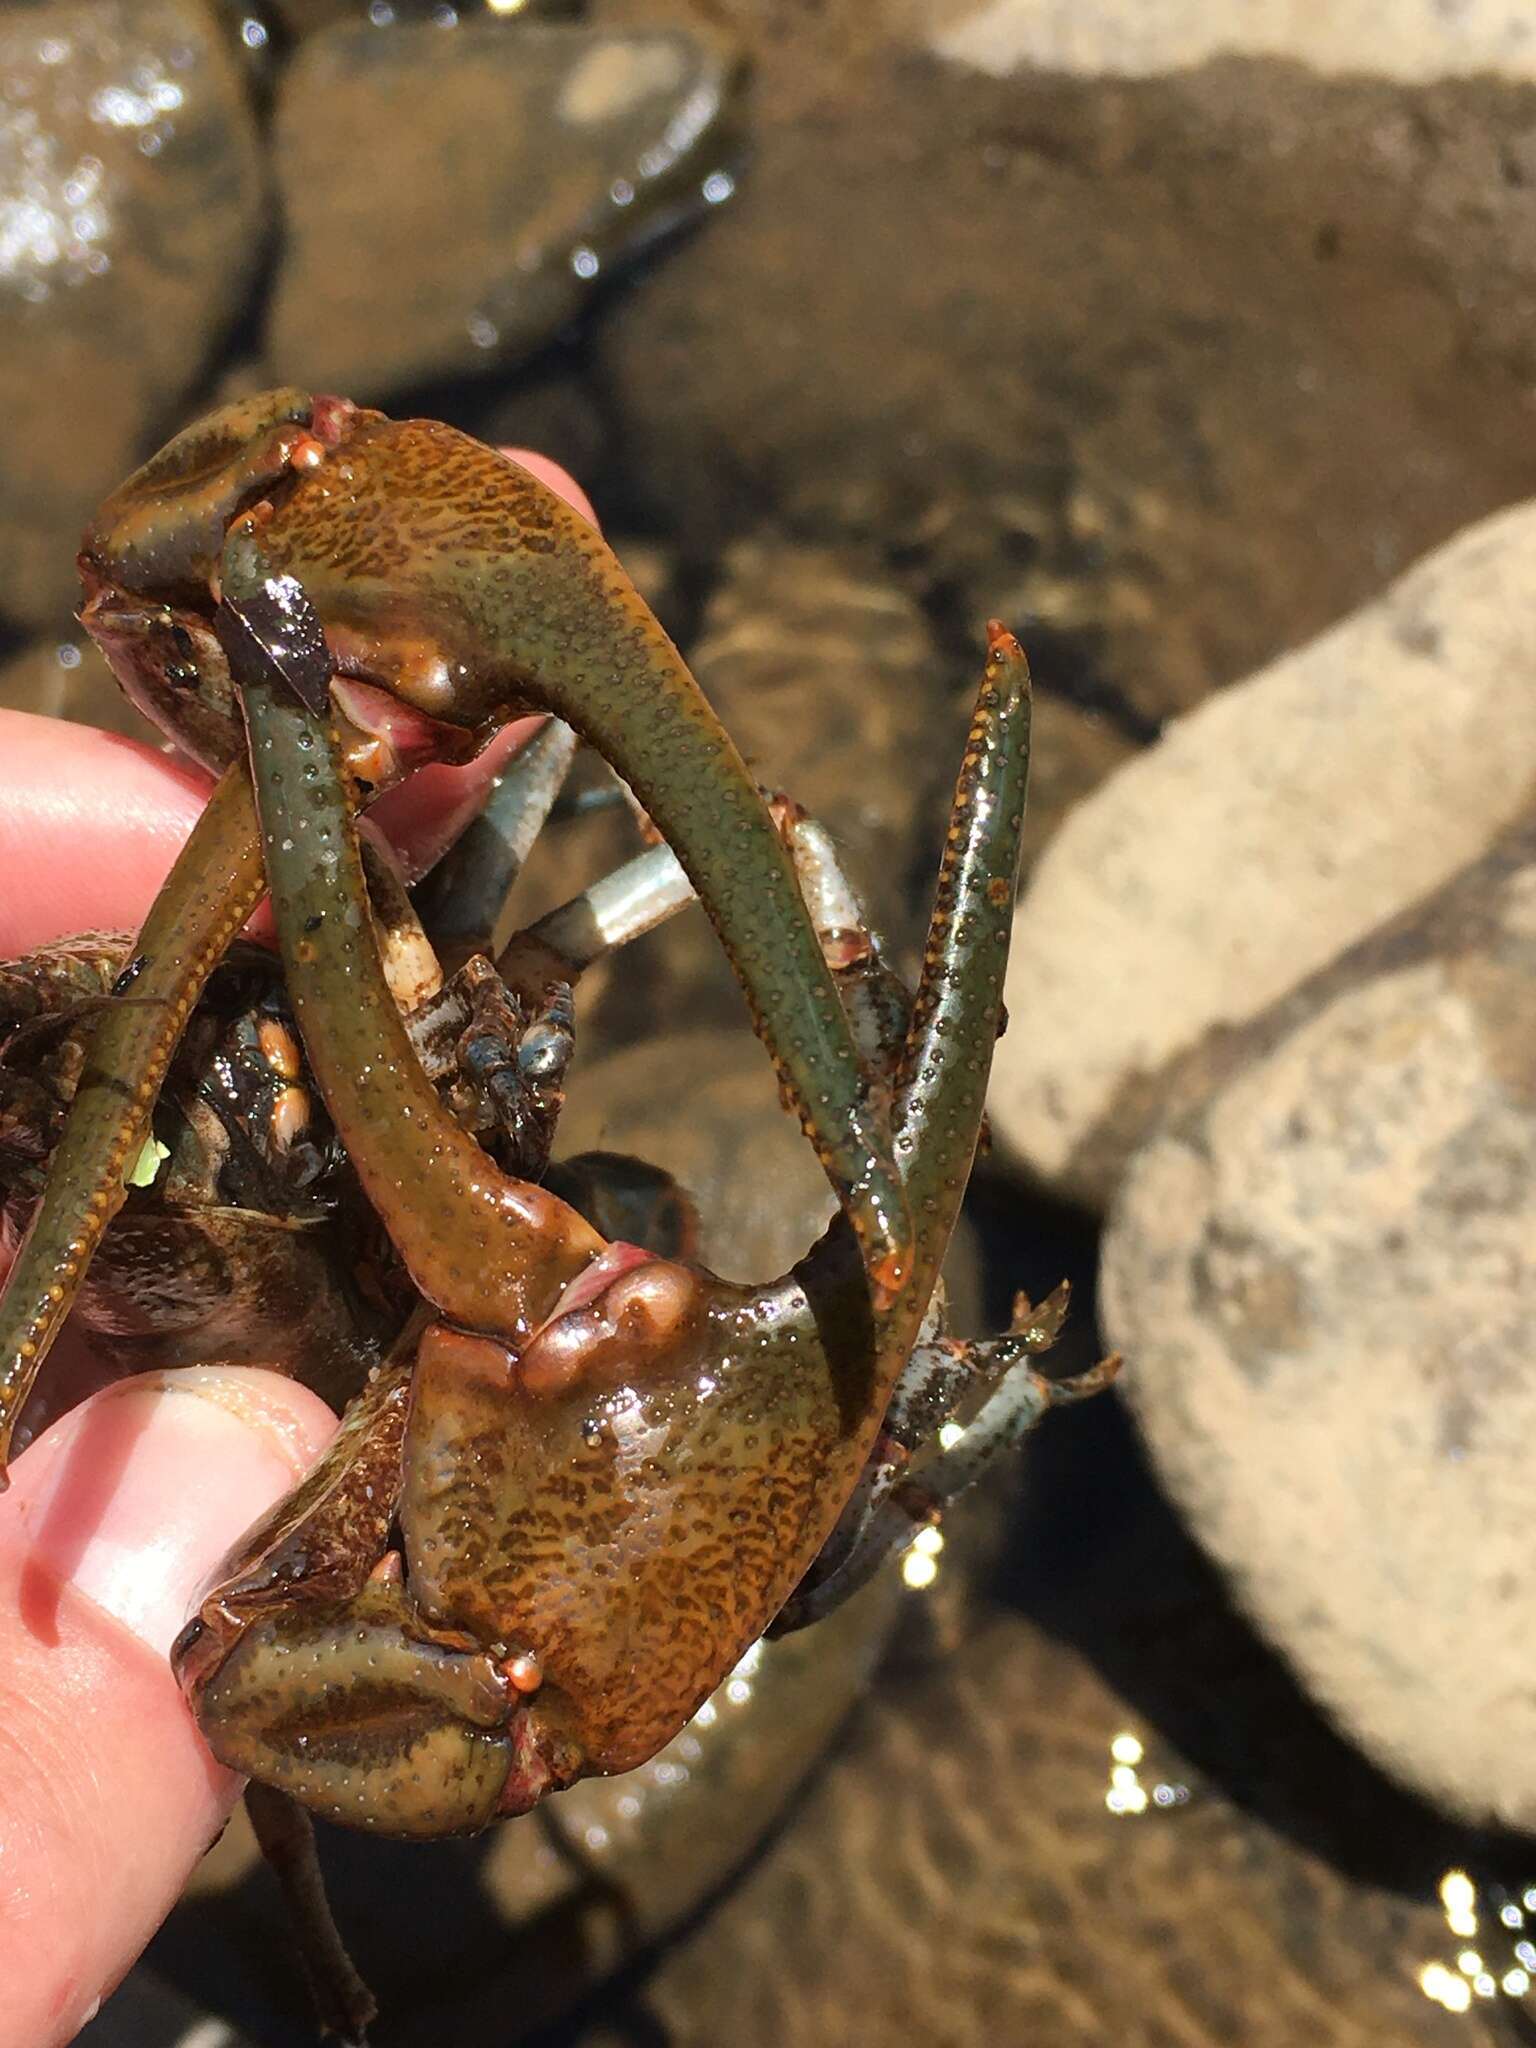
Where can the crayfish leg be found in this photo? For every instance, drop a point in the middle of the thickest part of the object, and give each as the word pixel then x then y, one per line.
pixel 285 1834
pixel 463 900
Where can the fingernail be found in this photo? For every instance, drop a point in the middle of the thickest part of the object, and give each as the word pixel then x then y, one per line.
pixel 135 1497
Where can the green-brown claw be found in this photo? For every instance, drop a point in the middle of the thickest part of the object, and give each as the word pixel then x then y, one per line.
pixel 211 891
pixel 472 592
pixel 489 1251
pixel 624 1499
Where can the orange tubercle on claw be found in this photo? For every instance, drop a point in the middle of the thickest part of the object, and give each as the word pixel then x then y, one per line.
pixel 524 1672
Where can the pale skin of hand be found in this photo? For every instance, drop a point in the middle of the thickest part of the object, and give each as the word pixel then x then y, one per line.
pixel 120 1510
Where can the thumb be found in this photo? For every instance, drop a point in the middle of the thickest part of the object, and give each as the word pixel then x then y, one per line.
pixel 115 1520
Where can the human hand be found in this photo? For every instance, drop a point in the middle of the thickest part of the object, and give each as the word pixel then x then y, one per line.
pixel 120 1511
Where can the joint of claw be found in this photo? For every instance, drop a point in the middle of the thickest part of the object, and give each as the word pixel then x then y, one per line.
pixel 626 1310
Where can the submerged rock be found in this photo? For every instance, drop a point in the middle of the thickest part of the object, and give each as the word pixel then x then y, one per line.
pixel 452 197
pixel 1323 1273
pixel 1264 834
pixel 1185 367
pixel 830 682
pixel 131 193
pixel 958 1874
pixel 703 1105
pixel 1071 751
pixel 827 676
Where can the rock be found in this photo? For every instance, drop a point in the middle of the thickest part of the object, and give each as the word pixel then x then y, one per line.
pixel 1407 39
pixel 551 409
pixel 1113 373
pixel 1322 1273
pixel 557 155
pixel 1265 833
pixel 131 189
pixel 654 570
pixel 304 17
pixel 703 1106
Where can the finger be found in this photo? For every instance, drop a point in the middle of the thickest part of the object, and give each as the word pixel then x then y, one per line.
pixel 89 827
pixel 116 1519
pixel 557 478
pixel 91 823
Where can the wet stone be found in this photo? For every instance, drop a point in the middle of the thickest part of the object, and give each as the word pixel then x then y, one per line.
pixel 761 1197
pixel 1265 833
pixel 131 187
pixel 703 1105
pixel 829 680
pixel 826 675
pixel 1091 349
pixel 305 17
pixel 553 410
pixel 556 156
pixel 1071 751
pixel 1321 1272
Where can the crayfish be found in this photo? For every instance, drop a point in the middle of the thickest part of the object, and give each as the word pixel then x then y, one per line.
pixel 578 1475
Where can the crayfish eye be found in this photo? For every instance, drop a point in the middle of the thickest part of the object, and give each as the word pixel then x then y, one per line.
pixel 544 1053
pixel 181 668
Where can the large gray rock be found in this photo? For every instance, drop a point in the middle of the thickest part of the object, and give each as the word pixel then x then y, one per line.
pixel 130 221
pixel 1323 1273
pixel 1266 832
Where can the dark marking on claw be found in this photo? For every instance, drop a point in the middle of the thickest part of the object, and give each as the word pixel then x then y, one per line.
pixel 277 631
pixel 129 975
